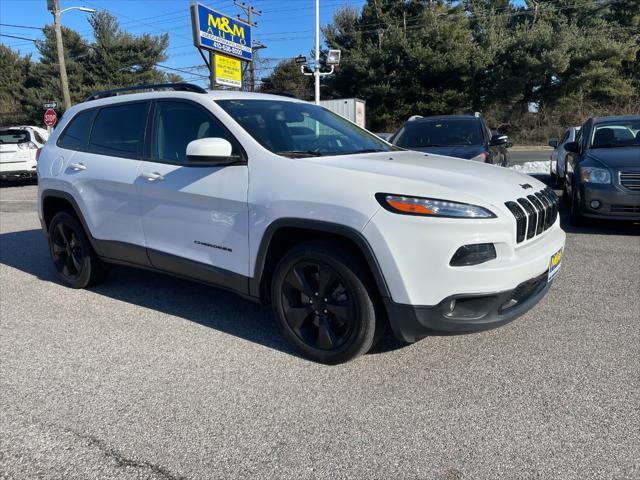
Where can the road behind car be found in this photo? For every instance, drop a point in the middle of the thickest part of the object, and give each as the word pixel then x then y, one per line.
pixel 147 376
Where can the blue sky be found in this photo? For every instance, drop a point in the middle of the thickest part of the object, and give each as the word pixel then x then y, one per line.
pixel 286 26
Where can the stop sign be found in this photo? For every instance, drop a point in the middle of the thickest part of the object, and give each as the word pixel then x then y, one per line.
pixel 50 117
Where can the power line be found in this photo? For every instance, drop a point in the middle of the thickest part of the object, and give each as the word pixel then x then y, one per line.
pixel 186 72
pixel 19 38
pixel 20 26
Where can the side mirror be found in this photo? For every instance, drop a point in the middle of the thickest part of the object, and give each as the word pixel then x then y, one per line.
pixel 572 147
pixel 553 143
pixel 210 151
pixel 498 140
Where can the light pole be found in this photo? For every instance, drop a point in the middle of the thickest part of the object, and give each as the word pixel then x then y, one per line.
pixel 316 70
pixel 333 59
pixel 54 7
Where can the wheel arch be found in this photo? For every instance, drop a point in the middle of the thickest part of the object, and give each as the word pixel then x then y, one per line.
pixel 281 235
pixel 54 201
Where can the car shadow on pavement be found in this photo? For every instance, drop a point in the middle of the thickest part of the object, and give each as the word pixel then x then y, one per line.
pixel 20 182
pixel 208 306
pixel 212 307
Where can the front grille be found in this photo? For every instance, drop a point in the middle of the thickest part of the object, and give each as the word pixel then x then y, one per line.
pixel 630 180
pixel 625 209
pixel 534 214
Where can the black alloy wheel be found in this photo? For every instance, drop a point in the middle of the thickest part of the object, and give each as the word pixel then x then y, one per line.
pixel 74 260
pixel 66 251
pixel 318 305
pixel 325 303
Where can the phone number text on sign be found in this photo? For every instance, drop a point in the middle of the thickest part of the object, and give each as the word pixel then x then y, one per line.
pixel 227 49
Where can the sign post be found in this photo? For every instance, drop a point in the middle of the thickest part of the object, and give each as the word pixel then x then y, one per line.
pixel 228 38
pixel 50 119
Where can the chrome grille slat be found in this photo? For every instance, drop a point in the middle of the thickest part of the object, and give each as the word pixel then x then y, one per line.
pixel 520 220
pixel 630 180
pixel 534 214
pixel 546 214
pixel 540 208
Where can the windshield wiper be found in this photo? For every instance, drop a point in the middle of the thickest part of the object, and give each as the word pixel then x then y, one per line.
pixel 367 150
pixel 299 153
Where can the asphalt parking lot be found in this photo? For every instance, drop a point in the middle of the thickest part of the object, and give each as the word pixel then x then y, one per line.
pixel 147 376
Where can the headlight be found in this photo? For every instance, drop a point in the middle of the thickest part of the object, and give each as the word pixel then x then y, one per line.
pixel 431 207
pixel 480 158
pixel 594 175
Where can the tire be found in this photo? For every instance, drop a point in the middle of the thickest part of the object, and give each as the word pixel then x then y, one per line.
pixel 324 303
pixel 73 257
pixel 575 216
pixel 565 193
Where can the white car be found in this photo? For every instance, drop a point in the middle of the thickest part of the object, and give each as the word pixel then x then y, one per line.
pixel 558 164
pixel 340 231
pixel 18 151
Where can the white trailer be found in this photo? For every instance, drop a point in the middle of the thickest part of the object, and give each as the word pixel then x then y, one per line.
pixel 350 108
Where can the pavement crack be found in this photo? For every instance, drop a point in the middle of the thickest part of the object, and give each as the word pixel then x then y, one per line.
pixel 120 459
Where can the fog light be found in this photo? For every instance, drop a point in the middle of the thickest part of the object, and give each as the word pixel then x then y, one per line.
pixel 595 204
pixel 473 255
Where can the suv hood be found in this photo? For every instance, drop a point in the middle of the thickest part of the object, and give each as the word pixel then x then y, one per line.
pixel 459 151
pixel 428 175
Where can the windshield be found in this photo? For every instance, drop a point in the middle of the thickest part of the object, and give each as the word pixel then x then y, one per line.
pixel 440 133
pixel 616 134
pixel 14 136
pixel 295 129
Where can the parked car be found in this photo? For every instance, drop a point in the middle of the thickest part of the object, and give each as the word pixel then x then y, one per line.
pixel 18 151
pixel 384 135
pixel 558 164
pixel 603 170
pixel 462 136
pixel 341 232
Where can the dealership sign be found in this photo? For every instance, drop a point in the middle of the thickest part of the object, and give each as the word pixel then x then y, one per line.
pixel 214 31
pixel 227 71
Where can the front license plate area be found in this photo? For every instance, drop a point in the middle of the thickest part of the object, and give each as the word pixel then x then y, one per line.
pixel 554 264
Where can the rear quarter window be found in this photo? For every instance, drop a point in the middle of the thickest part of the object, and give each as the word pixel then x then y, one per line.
pixel 76 135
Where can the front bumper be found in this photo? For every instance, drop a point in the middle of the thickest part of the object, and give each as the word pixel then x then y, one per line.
pixel 465 313
pixel 615 203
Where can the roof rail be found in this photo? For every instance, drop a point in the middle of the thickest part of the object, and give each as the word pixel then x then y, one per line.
pixel 178 87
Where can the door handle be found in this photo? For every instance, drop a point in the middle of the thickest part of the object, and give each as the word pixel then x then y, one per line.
pixel 153 177
pixel 78 166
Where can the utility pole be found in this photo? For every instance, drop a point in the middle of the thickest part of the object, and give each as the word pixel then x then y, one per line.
pixel 54 7
pixel 60 48
pixel 250 11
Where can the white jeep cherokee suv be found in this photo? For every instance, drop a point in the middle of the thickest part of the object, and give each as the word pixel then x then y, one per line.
pixel 285 202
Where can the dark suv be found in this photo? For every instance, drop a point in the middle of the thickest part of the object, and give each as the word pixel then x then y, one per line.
pixel 462 136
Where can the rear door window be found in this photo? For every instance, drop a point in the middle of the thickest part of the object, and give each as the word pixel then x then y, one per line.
pixel 118 130
pixel 76 135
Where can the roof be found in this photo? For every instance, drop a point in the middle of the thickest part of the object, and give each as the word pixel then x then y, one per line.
pixel 446 117
pixel 614 118
pixel 212 94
